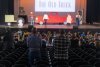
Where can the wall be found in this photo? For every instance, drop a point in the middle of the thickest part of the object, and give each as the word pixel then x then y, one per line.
pixel 29 6
pixel 6 7
pixel 93 11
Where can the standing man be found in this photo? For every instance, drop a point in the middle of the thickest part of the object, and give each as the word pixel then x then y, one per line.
pixel 34 44
pixel 31 18
pixel 79 18
pixel 61 44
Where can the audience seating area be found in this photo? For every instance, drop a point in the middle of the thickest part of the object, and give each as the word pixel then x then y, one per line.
pixel 79 56
pixel 8 59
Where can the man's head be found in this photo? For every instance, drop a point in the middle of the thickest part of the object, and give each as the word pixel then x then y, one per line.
pixel 61 32
pixel 34 30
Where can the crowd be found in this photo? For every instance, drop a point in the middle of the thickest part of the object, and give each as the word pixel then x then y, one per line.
pixel 78 39
pixel 34 40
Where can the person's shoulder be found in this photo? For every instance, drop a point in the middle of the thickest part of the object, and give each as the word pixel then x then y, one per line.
pixel 29 36
pixel 62 37
pixel 57 38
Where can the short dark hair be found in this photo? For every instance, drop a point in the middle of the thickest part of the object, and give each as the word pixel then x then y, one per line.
pixel 61 32
pixel 34 30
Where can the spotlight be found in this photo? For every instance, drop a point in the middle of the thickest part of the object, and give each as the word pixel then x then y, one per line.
pixel 36 18
pixel 31 12
pixel 9 24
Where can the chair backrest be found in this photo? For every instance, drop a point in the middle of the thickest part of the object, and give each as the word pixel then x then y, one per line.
pixel 79 63
pixel 86 66
pixel 10 59
pixel 74 60
pixel 60 63
pixel 97 64
pixel 19 65
pixel 1 65
pixel 41 63
pixel 6 63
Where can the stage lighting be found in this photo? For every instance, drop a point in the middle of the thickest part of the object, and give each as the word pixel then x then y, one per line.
pixel 31 13
pixel 36 18
pixel 9 24
pixel 41 23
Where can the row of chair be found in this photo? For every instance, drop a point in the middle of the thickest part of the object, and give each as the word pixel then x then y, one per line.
pixel 11 58
pixel 77 57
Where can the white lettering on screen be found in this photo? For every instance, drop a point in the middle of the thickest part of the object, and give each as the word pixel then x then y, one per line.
pixel 54 5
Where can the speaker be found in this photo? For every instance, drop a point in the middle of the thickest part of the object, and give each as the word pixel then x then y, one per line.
pixel 75 27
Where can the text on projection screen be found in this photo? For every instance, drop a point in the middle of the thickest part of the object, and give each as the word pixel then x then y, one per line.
pixel 54 5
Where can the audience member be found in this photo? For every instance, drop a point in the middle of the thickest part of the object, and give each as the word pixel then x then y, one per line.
pixel 61 44
pixel 8 40
pixel 34 44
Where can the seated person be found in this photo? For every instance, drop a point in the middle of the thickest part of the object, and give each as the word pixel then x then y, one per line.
pixel 69 19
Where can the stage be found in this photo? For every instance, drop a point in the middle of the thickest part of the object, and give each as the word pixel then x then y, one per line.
pixel 84 27
pixel 57 26
pixel 68 26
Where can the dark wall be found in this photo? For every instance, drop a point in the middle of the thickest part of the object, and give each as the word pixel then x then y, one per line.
pixel 93 9
pixel 6 7
pixel 99 11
